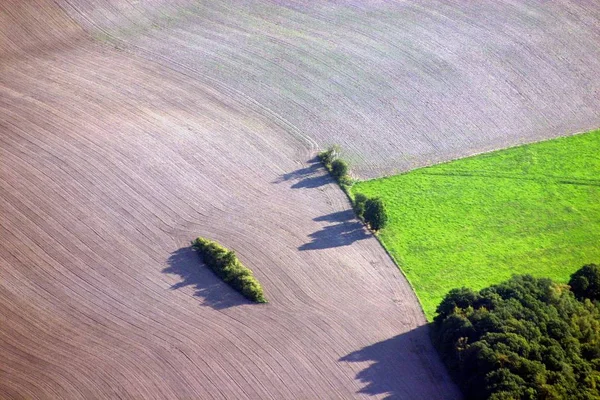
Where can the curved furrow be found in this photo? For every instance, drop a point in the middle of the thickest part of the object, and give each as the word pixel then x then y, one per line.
pixel 436 81
pixel 129 128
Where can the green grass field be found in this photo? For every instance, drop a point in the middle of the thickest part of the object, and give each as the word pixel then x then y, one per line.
pixel 533 209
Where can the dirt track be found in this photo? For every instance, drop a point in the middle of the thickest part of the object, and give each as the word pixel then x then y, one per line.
pixel 121 141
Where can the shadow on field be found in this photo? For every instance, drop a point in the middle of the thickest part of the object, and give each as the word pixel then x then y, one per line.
pixel 338 216
pixel 215 293
pixel 309 177
pixel 403 367
pixel 312 182
pixel 347 231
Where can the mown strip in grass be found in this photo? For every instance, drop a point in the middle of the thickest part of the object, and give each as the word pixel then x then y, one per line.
pixel 225 265
pixel 533 209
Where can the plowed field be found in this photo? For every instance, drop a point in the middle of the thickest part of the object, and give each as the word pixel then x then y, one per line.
pixel 128 128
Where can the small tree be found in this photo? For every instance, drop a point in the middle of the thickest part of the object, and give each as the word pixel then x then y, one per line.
pixel 359 204
pixel 585 282
pixel 339 169
pixel 326 157
pixel 375 213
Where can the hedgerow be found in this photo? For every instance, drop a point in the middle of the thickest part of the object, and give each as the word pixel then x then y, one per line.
pixel 225 265
pixel 371 211
pixel 337 167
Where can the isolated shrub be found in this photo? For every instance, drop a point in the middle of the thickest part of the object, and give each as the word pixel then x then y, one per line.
pixel 359 204
pixel 375 214
pixel 585 282
pixel 225 265
pixel 339 169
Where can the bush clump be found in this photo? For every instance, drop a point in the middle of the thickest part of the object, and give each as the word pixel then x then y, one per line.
pixel 359 204
pixel 375 213
pixel 371 211
pixel 225 265
pixel 527 338
pixel 327 157
pixel 337 167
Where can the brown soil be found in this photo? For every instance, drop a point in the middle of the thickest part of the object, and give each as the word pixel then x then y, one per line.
pixel 128 128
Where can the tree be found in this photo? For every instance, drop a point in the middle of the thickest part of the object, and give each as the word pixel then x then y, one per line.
pixel 339 169
pixel 359 204
pixel 326 157
pixel 585 282
pixel 329 155
pixel 375 213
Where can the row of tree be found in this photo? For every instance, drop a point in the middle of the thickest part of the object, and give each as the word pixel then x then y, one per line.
pixel 527 338
pixel 337 167
pixel 371 211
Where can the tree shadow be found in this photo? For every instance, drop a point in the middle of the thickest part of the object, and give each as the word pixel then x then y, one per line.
pixel 309 177
pixel 215 293
pixel 312 182
pixel 344 233
pixel 338 216
pixel 404 367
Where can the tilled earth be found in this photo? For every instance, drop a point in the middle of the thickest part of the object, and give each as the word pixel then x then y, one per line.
pixel 129 128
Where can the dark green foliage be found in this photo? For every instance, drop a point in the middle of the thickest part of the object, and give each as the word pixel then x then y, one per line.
pixel 327 157
pixel 226 266
pixel 463 298
pixel 585 282
pixel 359 204
pixel 526 338
pixel 375 214
pixel 339 169
pixel 371 211
pixel 345 182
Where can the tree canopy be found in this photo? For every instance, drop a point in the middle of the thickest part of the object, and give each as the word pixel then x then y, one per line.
pixel 339 169
pixel 585 282
pixel 375 213
pixel 527 338
pixel 225 264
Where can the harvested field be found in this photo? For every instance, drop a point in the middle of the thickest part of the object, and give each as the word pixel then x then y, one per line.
pixel 129 128
pixel 396 84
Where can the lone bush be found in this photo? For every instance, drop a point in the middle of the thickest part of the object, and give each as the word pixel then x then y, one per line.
pixel 375 213
pixel 585 282
pixel 225 265
pixel 359 204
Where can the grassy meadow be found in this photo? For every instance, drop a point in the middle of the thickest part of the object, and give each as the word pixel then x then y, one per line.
pixel 473 222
